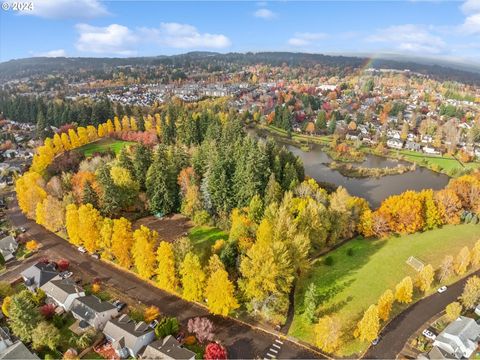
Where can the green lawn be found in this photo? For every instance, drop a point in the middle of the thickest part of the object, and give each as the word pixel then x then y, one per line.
pixel 356 281
pixel 103 145
pixel 203 237
pixel 447 163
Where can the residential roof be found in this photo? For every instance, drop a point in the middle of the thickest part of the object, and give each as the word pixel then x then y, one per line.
pixel 60 289
pixel 125 332
pixel 39 274
pixel 168 348
pixel 88 306
pixel 18 351
pixel 436 353
pixel 8 245
pixel 462 335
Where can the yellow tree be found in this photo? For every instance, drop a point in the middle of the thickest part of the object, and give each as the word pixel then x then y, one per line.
pixel 328 333
pixel 143 251
pixel 453 311
pixel 471 293
pixel 66 142
pixel 425 278
pixel 109 126
pixel 116 122
pixel 166 278
pixel 133 124
pixel 151 313
pixel 89 219
pixel 40 214
pixel 368 328
pixel 74 141
pixel 475 254
pixel 404 290
pixel 57 143
pixel 82 135
pixel 125 123
pixel 92 133
pixel 105 239
pixel 462 261
pixel 385 303
pixel 30 191
pixel 193 278
pixel 72 224
pixel 101 130
pixel 220 293
pixel 122 241
pixel 54 213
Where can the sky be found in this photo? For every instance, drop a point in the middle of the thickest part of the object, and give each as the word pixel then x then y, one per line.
pixel 447 30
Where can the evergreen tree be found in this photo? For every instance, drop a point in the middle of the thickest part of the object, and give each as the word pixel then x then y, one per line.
pixel 41 125
pixel 23 315
pixel 89 195
pixel 273 192
pixel 321 122
pixel 142 159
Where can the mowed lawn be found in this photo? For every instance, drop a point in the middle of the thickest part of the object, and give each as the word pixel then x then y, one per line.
pixel 447 163
pixel 103 145
pixel 359 276
pixel 203 238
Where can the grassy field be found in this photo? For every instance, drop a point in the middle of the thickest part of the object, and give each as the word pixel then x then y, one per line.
pixel 359 276
pixel 447 163
pixel 203 237
pixel 103 146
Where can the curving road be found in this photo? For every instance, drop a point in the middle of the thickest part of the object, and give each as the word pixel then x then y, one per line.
pixel 397 332
pixel 242 341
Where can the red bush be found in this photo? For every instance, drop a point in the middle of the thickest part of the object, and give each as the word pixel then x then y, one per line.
pixel 215 351
pixel 63 264
pixel 47 310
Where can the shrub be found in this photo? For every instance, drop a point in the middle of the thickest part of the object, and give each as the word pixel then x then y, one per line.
pixel 215 351
pixel 202 328
pixel 329 261
pixel 190 340
pixel 201 218
pixel 151 313
pixel 167 326
pixel 63 264
pixel 47 311
pixel 31 245
pixel 350 252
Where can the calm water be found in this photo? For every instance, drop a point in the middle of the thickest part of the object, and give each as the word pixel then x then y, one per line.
pixel 374 190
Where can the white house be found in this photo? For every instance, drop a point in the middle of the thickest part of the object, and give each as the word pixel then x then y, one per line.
pixel 62 292
pixel 395 143
pixel 460 338
pixel 8 246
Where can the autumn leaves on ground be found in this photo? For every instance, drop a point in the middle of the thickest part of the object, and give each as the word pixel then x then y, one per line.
pixel 207 168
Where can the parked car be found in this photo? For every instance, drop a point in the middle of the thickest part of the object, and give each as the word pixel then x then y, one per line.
pixel 442 289
pixel 153 324
pixel 376 341
pixel 22 229
pixel 119 305
pixel 65 274
pixel 82 249
pixel 96 256
pixel 429 335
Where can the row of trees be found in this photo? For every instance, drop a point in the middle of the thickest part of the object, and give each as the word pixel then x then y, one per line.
pixel 413 211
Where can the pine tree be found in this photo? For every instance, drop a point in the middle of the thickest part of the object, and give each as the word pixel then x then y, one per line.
pixel 41 125
pixel 321 122
pixel 142 159
pixel 310 302
pixel 89 195
pixel 23 315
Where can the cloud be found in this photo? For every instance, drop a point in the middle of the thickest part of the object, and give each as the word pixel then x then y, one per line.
pixel 53 53
pixel 67 9
pixel 471 7
pixel 183 36
pixel 409 38
pixel 264 14
pixel 117 39
pixel 471 24
pixel 113 39
pixel 307 38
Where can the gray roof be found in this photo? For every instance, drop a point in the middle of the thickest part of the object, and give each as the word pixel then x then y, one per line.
pixel 87 306
pixel 462 335
pixel 60 289
pixel 39 274
pixel 436 353
pixel 4 334
pixel 18 351
pixel 168 348
pixel 8 245
pixel 125 331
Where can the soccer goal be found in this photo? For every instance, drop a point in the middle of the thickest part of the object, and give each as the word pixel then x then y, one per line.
pixel 415 263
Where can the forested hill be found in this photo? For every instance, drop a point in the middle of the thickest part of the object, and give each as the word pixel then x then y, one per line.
pixel 210 61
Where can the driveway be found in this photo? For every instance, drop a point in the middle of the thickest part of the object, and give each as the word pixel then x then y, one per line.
pixel 241 340
pixel 396 334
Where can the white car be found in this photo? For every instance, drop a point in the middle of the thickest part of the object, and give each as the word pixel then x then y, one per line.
pixel 82 249
pixel 442 289
pixel 65 274
pixel 428 334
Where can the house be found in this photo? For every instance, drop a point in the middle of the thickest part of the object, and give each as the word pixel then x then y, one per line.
pixel 413 145
pixel 8 246
pixel 395 143
pixel 91 311
pixel 460 338
pixel 39 274
pixel 62 292
pixel 128 337
pixel 435 354
pixel 168 348
pixel 17 350
pixel 5 339
pixel 430 150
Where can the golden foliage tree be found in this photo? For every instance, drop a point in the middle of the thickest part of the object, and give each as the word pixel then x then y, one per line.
pixel 193 278
pixel 404 290
pixel 471 293
pixel 425 278
pixel 462 261
pixel 220 293
pixel 166 277
pixel 105 239
pixel 30 191
pixel 475 254
pixel 122 241
pixel 143 251
pixel 72 224
pixel 90 221
pixel 453 310
pixel 151 313
pixel 328 333
pixel 369 326
pixel 384 305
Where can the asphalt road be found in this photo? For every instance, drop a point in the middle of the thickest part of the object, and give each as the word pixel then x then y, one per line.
pixel 396 334
pixel 241 340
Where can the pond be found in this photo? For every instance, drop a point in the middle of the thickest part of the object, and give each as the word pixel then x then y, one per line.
pixel 374 190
